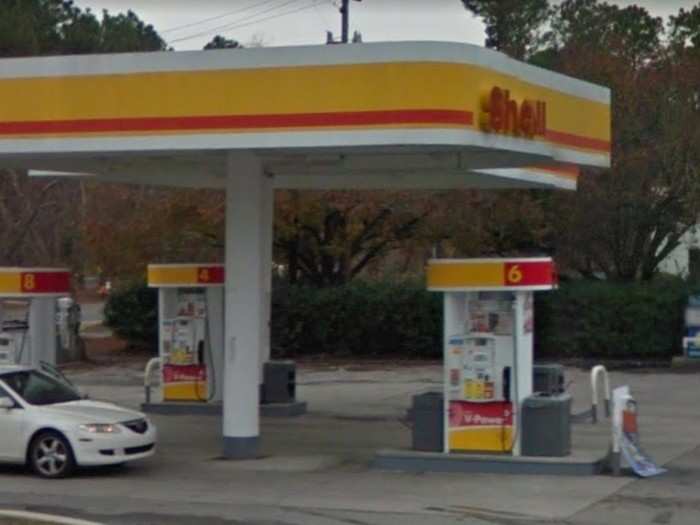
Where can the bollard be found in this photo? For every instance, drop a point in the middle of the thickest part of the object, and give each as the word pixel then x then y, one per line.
pixel 595 372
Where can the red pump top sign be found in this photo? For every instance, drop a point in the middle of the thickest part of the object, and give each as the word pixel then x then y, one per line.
pixel 18 282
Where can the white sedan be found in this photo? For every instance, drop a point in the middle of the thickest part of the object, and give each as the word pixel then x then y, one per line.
pixel 46 424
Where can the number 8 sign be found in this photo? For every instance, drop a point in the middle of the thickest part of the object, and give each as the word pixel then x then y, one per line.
pixel 28 282
pixel 41 282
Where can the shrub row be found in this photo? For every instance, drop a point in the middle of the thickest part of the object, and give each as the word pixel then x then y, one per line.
pixel 131 311
pixel 582 319
pixel 606 320
pixel 360 318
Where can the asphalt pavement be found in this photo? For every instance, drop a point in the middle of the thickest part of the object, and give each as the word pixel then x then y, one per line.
pixel 316 469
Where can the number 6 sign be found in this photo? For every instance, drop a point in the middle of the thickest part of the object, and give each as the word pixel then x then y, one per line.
pixel 528 273
pixel 514 274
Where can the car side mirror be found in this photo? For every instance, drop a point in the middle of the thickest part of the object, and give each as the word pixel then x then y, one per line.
pixel 6 403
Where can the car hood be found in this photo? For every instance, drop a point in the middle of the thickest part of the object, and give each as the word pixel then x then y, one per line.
pixel 92 412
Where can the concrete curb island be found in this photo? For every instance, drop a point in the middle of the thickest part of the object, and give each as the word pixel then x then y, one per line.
pixel 19 517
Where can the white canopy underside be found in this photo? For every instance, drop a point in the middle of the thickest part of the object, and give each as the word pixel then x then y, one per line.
pixel 329 169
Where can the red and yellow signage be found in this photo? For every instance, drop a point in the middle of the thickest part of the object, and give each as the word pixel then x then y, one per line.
pixel 482 427
pixel 502 114
pixel 185 275
pixel 17 282
pixel 491 274
pixel 363 96
pixel 184 383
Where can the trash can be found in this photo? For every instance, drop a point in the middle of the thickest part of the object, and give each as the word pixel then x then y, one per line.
pixel 428 432
pixel 548 379
pixel 279 382
pixel 546 426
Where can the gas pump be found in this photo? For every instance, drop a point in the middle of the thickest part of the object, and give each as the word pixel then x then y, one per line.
pixel 190 318
pixel 191 346
pixel 488 311
pixel 28 314
pixel 8 349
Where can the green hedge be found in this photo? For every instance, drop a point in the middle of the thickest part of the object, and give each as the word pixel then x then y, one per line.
pixel 131 311
pixel 582 319
pixel 601 319
pixel 360 318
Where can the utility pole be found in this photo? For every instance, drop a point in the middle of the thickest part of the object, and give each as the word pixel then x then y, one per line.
pixel 345 11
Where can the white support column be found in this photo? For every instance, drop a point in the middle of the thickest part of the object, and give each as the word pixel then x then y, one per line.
pixel 246 193
pixel 266 285
pixel 42 331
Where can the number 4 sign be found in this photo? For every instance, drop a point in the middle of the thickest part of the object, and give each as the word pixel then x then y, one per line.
pixel 210 274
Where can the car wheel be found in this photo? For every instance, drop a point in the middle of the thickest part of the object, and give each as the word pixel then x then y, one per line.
pixel 51 456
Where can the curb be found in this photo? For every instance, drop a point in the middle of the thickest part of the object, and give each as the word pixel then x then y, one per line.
pixel 46 518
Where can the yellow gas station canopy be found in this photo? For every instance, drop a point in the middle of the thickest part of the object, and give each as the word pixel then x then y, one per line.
pixel 385 115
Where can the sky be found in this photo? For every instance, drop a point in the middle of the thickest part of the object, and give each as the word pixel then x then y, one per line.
pixel 190 24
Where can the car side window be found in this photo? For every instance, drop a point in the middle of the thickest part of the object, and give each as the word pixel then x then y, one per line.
pixel 4 393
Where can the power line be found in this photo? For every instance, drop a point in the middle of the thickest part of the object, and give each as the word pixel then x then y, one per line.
pixel 322 18
pixel 218 17
pixel 229 25
pixel 313 4
pixel 239 23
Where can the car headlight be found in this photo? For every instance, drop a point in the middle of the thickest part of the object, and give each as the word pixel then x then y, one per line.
pixel 100 428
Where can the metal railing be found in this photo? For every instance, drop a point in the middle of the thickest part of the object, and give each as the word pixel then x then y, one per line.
pixel 147 376
pixel 596 372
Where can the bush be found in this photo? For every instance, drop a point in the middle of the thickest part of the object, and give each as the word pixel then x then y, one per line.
pixel 131 311
pixel 360 319
pixel 582 319
pixel 602 319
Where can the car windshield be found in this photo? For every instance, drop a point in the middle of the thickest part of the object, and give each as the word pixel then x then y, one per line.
pixel 40 389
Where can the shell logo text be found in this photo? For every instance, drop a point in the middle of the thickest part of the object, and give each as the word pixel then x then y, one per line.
pixel 501 114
